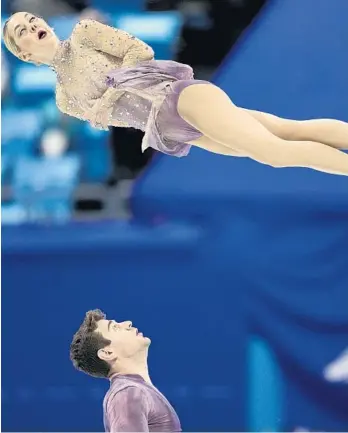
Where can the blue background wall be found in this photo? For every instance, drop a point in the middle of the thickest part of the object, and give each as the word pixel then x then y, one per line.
pixel 221 251
pixel 131 273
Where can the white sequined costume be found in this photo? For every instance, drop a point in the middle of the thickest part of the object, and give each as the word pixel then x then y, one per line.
pixel 99 62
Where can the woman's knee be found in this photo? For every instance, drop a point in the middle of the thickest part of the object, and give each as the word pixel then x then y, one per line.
pixel 285 129
pixel 288 129
pixel 212 146
pixel 276 161
pixel 279 153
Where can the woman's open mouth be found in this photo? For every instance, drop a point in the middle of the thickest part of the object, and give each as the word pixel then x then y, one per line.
pixel 42 34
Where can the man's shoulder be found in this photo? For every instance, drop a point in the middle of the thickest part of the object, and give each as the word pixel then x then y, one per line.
pixel 123 386
pixel 124 394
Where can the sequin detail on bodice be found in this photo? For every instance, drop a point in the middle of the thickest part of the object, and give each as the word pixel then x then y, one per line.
pixel 83 61
pixel 107 69
pixel 81 75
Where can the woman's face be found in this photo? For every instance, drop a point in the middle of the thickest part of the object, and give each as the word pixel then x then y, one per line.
pixel 35 39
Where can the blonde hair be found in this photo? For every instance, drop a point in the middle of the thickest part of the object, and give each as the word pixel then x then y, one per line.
pixel 9 41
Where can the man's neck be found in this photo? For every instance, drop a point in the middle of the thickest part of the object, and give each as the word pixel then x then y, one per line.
pixel 136 365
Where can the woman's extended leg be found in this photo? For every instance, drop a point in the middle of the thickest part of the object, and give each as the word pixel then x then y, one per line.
pixel 207 143
pixel 208 109
pixel 331 132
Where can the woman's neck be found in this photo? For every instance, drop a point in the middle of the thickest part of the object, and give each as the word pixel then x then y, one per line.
pixel 51 57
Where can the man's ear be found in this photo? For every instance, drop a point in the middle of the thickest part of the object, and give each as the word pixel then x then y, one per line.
pixel 106 354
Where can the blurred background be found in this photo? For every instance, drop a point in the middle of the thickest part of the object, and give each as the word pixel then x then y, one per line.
pixel 237 271
pixel 96 168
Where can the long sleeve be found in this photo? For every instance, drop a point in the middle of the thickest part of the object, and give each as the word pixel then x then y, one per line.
pixel 71 109
pixel 112 41
pixel 64 106
pixel 127 411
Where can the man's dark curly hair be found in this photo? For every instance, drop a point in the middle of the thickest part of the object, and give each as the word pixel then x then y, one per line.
pixel 85 345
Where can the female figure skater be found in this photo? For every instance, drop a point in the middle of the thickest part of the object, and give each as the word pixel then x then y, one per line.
pixel 107 77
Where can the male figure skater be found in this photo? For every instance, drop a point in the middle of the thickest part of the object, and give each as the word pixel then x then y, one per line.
pixel 118 352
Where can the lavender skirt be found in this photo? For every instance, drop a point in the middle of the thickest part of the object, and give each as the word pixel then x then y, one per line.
pixel 174 130
pixel 166 131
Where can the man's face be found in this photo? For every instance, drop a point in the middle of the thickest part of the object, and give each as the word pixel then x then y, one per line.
pixel 126 341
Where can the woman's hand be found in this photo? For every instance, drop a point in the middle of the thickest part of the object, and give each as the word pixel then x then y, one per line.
pixel 99 115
